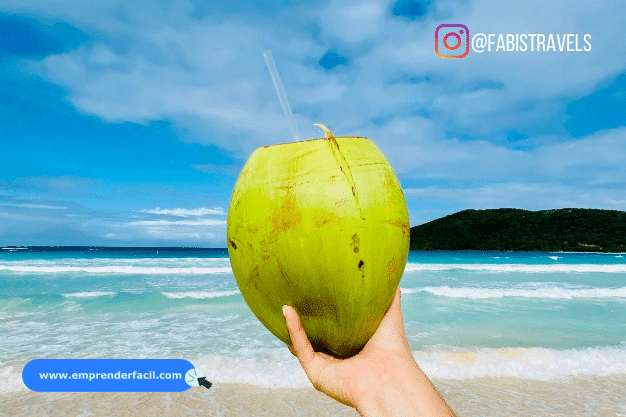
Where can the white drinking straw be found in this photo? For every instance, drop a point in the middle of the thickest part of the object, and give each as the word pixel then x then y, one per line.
pixel 280 90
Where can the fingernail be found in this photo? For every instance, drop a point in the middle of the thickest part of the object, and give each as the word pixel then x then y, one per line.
pixel 285 311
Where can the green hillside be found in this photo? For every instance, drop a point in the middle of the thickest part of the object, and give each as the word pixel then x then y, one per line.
pixel 580 230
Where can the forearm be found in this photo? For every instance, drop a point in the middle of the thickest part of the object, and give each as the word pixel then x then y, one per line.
pixel 406 394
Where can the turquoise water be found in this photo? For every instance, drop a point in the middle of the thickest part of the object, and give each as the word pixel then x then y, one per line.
pixel 467 314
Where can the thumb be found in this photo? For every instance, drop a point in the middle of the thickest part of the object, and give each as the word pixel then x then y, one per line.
pixel 390 333
pixel 300 344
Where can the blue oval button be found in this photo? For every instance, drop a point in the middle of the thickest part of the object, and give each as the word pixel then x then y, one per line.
pixel 111 375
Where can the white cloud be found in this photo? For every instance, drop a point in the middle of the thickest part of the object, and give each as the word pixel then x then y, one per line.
pixel 182 212
pixel 206 89
pixel 542 74
pixel 194 226
pixel 594 156
pixel 206 232
pixel 587 173
pixel 209 76
pixel 528 196
pixel 160 234
pixel 33 206
pixel 354 21
pixel 201 231
pixel 29 218
pixel 56 186
pixel 198 222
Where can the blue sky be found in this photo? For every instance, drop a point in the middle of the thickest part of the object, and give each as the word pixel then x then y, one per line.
pixel 126 124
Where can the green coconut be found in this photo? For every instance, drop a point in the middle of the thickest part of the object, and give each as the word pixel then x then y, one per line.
pixel 320 225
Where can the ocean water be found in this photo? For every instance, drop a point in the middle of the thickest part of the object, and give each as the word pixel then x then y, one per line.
pixel 538 316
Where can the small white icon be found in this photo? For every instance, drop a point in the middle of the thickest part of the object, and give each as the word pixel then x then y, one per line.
pixel 191 377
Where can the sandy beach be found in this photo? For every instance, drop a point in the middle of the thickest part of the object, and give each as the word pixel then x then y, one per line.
pixel 580 396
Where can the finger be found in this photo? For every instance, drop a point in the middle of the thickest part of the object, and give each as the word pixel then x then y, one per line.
pixel 390 333
pixel 300 345
pixel 394 314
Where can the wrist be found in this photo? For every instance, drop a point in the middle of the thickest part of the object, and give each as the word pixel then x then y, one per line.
pixel 394 392
pixel 406 393
pixel 388 400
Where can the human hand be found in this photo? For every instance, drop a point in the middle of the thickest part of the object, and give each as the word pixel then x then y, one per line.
pixel 381 380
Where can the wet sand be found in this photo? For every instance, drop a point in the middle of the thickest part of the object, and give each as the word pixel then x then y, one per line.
pixel 580 396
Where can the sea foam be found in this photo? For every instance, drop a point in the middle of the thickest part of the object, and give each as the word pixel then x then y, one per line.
pixel 121 266
pixel 499 268
pixel 276 368
pixel 89 294
pixel 533 363
pixel 203 266
pixel 200 294
pixel 118 270
pixel 545 291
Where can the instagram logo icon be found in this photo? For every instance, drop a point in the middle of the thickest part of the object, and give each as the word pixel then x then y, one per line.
pixel 452 41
